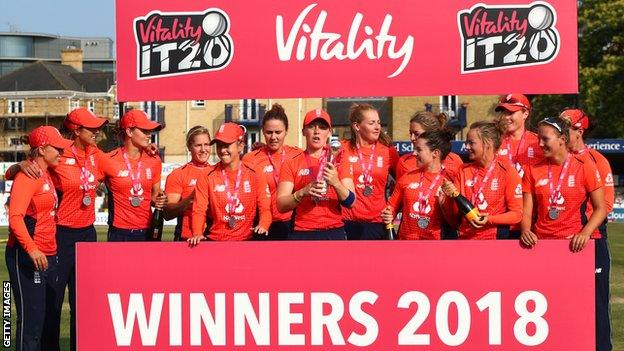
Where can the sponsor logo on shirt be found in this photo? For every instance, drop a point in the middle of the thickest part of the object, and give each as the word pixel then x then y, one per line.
pixel 609 180
pixel 238 207
pixel 220 188
pixel 494 184
pixel 193 182
pixel 304 172
pixel 482 204
pixel 353 159
pixel 379 162
pixel 426 209
pixel 246 186
pixel 571 181
pixel 518 191
pixel 502 152
pixel 148 173
pixel 92 160
pixel 469 182
pixel 560 199
pixel 413 186
pixel 542 182
pixel 368 180
pixel 123 173
pixel 70 161
pixel 268 169
pixel 597 175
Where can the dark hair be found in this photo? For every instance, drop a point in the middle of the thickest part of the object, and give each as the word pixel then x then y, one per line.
pixel 488 131
pixel 429 121
pixel 195 131
pixel 560 124
pixel 439 140
pixel 356 115
pixel 276 112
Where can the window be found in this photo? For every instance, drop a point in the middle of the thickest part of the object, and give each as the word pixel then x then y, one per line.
pixel 449 104
pixel 116 110
pixel 15 123
pixel 249 110
pixel 74 104
pixel 252 137
pixel 91 106
pixel 198 103
pixel 15 106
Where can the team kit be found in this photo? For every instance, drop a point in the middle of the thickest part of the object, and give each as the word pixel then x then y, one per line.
pixel 517 185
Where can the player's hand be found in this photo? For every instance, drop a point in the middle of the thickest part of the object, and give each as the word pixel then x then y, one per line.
pixel 30 169
pixel 260 231
pixel 528 238
pixel 330 174
pixel 160 200
pixel 480 221
pixel 39 260
pixel 386 215
pixel 192 242
pixel 449 188
pixel 152 150
pixel 578 241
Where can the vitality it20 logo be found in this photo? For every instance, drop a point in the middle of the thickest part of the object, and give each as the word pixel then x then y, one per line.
pixel 182 42
pixel 502 36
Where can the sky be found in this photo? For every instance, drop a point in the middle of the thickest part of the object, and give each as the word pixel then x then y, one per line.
pixel 88 18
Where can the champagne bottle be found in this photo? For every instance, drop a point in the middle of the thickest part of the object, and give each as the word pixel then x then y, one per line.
pixel 390 231
pixel 154 233
pixel 466 208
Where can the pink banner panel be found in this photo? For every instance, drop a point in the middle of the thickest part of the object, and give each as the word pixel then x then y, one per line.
pixel 173 50
pixel 477 295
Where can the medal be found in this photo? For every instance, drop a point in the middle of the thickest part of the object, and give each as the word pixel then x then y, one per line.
pixel 135 201
pixel 367 169
pixel 423 222
pixel 555 191
pixel 86 200
pixel 368 190
pixel 232 222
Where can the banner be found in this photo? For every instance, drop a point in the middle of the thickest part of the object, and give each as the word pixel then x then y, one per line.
pixel 464 295
pixel 172 50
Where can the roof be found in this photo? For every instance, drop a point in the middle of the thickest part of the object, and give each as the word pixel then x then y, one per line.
pixel 45 75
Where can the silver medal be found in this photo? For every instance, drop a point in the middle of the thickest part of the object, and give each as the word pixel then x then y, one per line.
pixel 86 200
pixel 553 213
pixel 368 190
pixel 136 201
pixel 423 222
pixel 232 222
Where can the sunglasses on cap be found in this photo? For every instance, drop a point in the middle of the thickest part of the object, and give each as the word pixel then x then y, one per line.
pixel 551 121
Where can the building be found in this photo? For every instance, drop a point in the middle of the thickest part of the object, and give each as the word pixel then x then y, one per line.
pixel 43 92
pixel 20 49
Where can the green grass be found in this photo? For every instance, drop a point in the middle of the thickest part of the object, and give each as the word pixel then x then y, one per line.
pixel 616 239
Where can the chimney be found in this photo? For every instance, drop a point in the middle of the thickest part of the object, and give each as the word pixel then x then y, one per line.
pixel 72 57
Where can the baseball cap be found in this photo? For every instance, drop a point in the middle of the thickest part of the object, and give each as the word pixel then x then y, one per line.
pixel 138 119
pixel 577 117
pixel 228 133
pixel 82 117
pixel 48 135
pixel 513 103
pixel 315 114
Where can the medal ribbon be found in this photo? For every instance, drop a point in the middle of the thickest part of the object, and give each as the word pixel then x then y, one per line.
pixel 275 170
pixel 48 181
pixel 84 173
pixel 514 159
pixel 484 181
pixel 231 198
pixel 366 169
pixel 553 194
pixel 422 197
pixel 136 178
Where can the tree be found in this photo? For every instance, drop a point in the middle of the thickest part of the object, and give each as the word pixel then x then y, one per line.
pixel 601 69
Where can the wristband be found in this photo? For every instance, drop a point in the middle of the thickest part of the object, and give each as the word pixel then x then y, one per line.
pixel 294 195
pixel 349 200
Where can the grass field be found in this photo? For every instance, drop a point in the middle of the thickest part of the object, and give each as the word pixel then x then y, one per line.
pixel 616 239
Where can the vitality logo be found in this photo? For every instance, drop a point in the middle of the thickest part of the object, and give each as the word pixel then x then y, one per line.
pixel 179 43
pixel 505 36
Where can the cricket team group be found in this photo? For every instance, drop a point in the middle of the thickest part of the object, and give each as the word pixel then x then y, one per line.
pixel 524 185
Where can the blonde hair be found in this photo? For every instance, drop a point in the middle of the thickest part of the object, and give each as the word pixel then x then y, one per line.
pixel 356 115
pixel 195 131
pixel 429 121
pixel 488 131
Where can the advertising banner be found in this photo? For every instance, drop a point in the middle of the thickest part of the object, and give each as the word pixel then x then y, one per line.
pixel 464 295
pixel 172 50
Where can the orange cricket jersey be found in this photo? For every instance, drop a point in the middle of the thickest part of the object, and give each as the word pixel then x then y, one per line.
pixel 500 197
pixel 311 215
pixel 69 181
pixel 259 160
pixel 120 190
pixel 407 163
pixel 524 152
pixel 606 176
pixel 32 222
pixel 581 179
pixel 211 196
pixel 183 181
pixel 406 196
pixel 384 161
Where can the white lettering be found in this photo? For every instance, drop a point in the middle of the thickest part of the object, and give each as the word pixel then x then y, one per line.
pixel 136 311
pixel 287 318
pixel 215 326
pixel 363 318
pixel 318 319
pixel 259 325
